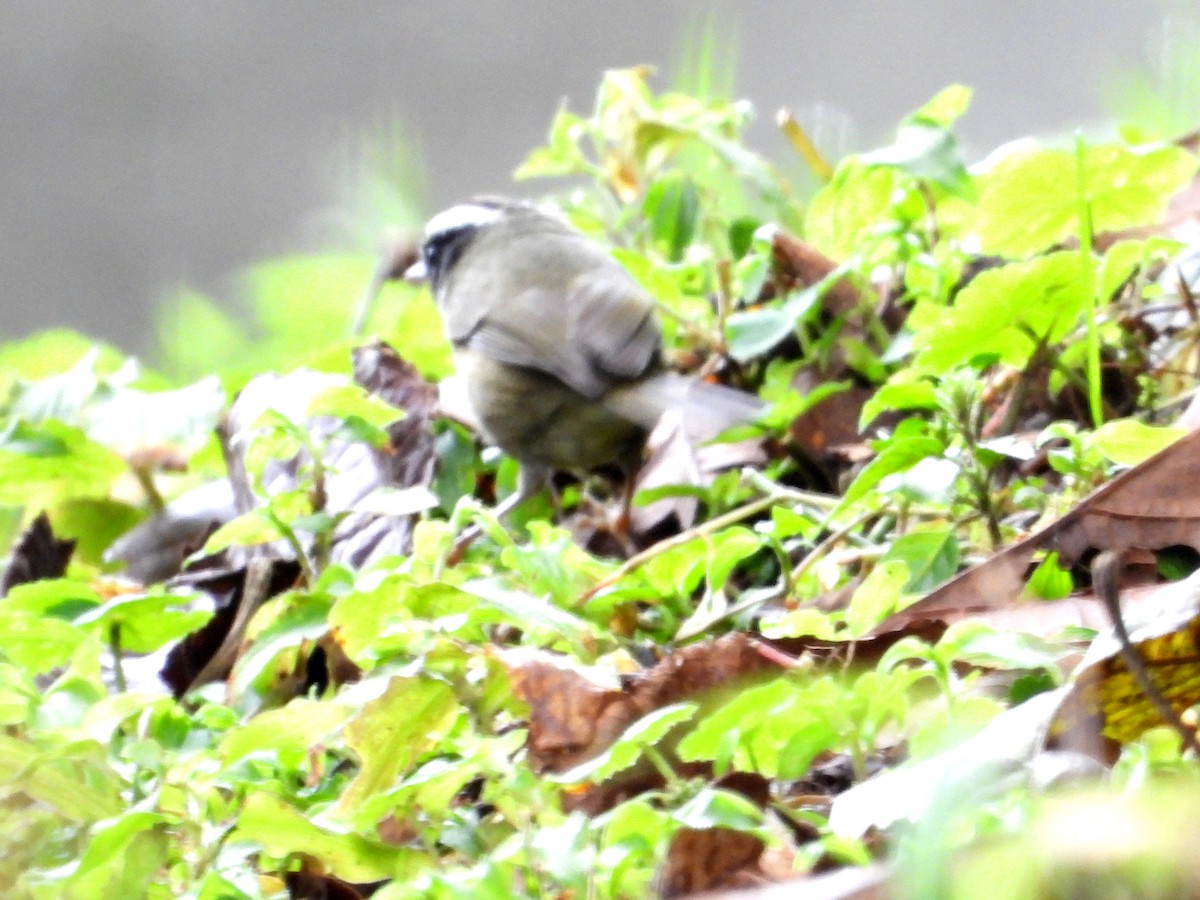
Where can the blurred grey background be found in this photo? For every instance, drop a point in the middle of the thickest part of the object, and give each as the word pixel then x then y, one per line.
pixel 149 144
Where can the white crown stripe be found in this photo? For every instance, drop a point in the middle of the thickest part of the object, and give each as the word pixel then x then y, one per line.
pixel 465 215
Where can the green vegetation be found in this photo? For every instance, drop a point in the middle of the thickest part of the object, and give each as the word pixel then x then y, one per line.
pixel 984 356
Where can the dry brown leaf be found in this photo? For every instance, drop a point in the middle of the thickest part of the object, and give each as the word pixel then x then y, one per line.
pixel 1148 507
pixel 799 264
pixel 701 859
pixel 576 712
pixel 37 554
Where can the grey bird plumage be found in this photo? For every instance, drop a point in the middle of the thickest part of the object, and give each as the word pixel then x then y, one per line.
pixel 558 345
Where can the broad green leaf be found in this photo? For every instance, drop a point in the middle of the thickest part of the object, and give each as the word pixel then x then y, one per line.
pixel 282 830
pixel 37 644
pixel 54 779
pixel 754 332
pixel 394 732
pixel 671 207
pixel 1030 200
pixel 302 617
pixel 128 420
pixel 877 597
pixel 197 338
pixel 350 400
pixel 931 556
pixel 714 807
pixel 1128 442
pixel 898 395
pixel 1009 649
pixel 776 729
pixel 123 857
pixel 52 352
pixel 51 462
pixel 1050 581
pixel 845 211
pixel 928 152
pixel 93 523
pixel 289 732
pixel 899 455
pixel 145 622
pixel 247 530
pixel 1003 311
pixel 947 106
pixel 528 611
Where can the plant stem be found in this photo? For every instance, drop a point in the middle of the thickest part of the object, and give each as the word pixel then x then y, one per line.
pixel 1087 259
pixel 638 560
pixel 803 144
pixel 114 644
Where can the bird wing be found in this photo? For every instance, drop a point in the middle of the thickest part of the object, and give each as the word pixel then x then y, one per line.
pixel 600 331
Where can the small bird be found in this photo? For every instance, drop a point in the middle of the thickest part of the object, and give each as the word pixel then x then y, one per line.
pixel 558 345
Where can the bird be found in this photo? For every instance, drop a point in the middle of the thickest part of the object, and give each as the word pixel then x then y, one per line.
pixel 558 346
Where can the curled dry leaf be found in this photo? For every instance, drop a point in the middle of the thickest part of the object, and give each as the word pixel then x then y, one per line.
pixel 37 554
pixel 576 712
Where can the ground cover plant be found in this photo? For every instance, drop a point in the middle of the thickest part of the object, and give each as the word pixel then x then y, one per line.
pixel 929 627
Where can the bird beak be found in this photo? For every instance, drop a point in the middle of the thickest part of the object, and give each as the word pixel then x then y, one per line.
pixel 417 273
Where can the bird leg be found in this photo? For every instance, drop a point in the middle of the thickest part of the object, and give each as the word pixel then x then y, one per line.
pixel 530 480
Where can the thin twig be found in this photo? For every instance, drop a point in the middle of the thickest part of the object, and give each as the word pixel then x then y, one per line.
pixel 704 528
pixel 1106 574
pixel 235 468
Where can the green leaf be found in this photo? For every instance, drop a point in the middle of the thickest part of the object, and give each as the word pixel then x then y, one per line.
pixel 53 462
pixel 52 352
pixel 197 337
pixel 54 779
pixel 531 612
pixel 123 857
pixel 629 747
pixel 844 212
pixel 777 728
pixel 352 401
pixel 1029 200
pixel 93 523
pixel 900 455
pixel 877 597
pixel 37 644
pixel 302 617
pixel 984 646
pixel 394 732
pixel 289 732
pixel 1128 442
pixel 717 808
pixel 898 395
pixel 1003 311
pixel 931 556
pixel 1050 581
pixel 250 529
pixel 928 152
pixel 146 622
pixel 281 830
pixel 671 207
pixel 947 106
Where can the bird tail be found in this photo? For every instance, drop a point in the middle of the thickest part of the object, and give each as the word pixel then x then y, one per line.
pixel 705 409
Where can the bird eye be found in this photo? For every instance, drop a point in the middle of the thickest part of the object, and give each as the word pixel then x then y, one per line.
pixel 441 250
